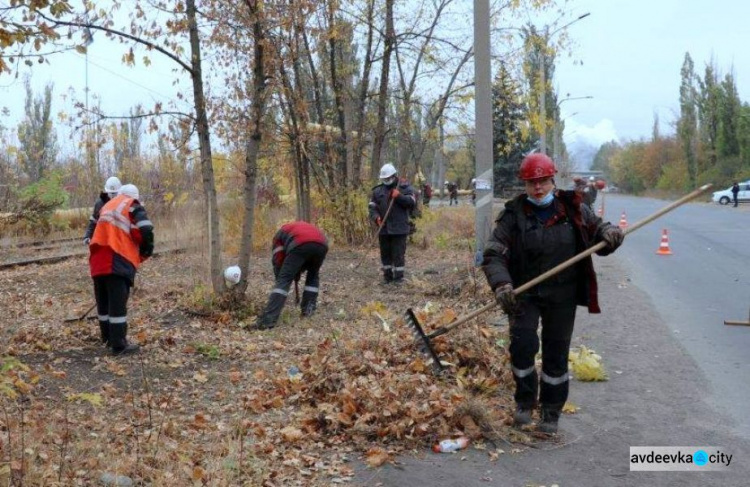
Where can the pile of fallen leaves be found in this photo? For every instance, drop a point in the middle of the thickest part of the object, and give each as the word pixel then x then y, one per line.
pixel 372 390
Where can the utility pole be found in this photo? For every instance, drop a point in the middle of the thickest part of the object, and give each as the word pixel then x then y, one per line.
pixel 482 126
pixel 543 100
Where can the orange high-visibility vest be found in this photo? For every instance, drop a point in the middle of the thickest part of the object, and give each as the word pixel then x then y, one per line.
pixel 113 229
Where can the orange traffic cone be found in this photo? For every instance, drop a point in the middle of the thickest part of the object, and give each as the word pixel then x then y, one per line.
pixel 623 221
pixel 600 212
pixel 664 245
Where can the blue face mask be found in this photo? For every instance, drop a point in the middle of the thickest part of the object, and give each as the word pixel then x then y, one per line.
pixel 542 202
pixel 391 181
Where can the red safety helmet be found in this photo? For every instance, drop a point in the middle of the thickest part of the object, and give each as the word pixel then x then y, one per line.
pixel 536 166
pixel 601 184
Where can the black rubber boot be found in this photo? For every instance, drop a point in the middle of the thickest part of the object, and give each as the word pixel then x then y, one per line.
pixel 522 416
pixel 387 276
pixel 272 313
pixel 549 422
pixel 309 303
pixel 263 323
pixel 398 277
pixel 104 330
pixel 118 340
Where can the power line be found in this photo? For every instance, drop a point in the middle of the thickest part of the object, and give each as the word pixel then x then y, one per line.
pixel 131 81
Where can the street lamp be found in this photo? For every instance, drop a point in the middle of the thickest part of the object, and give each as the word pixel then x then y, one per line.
pixel 569 98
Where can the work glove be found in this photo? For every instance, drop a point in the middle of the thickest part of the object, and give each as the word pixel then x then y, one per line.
pixel 505 298
pixel 613 236
pixel 395 193
pixel 87 241
pixel 378 221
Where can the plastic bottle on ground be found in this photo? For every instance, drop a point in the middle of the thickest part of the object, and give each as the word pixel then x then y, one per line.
pixel 447 446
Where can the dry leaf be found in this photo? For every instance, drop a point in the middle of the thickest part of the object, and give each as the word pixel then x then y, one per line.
pixel 292 434
pixel 235 376
pixel 198 473
pixel 375 457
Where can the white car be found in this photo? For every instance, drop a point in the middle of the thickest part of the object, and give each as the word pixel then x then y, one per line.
pixel 725 197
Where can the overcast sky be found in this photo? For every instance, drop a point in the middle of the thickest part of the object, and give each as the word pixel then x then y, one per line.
pixel 631 53
pixel 626 55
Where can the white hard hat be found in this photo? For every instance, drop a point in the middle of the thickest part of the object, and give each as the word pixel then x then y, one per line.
pixel 232 275
pixel 447 183
pixel 130 190
pixel 387 171
pixel 591 178
pixel 112 185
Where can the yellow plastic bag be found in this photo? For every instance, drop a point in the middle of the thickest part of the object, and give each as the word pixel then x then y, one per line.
pixel 586 365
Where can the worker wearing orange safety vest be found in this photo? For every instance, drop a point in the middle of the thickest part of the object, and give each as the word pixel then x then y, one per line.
pixel 122 240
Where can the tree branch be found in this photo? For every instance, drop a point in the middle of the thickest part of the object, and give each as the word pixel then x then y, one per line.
pixel 125 35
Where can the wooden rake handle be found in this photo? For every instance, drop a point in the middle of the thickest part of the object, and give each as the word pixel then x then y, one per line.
pixel 573 260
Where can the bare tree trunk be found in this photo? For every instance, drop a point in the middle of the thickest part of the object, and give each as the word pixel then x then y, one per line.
pixel 254 140
pixel 204 142
pixel 379 136
pixel 338 98
pixel 441 104
pixel 299 152
pixel 358 149
pixel 318 100
pixel 406 150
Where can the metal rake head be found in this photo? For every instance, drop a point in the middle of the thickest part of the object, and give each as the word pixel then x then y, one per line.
pixel 425 346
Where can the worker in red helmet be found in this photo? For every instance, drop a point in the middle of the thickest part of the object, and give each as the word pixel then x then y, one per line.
pixel 536 231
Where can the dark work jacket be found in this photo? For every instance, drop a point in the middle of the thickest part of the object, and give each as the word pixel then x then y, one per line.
pixel 397 222
pixel 522 247
pixel 100 202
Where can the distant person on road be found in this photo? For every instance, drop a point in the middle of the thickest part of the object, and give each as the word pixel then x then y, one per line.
pixel 452 193
pixel 589 192
pixel 735 191
pixel 536 231
pixel 111 187
pixel 122 241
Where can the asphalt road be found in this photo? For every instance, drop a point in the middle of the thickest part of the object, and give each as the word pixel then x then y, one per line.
pixel 704 282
